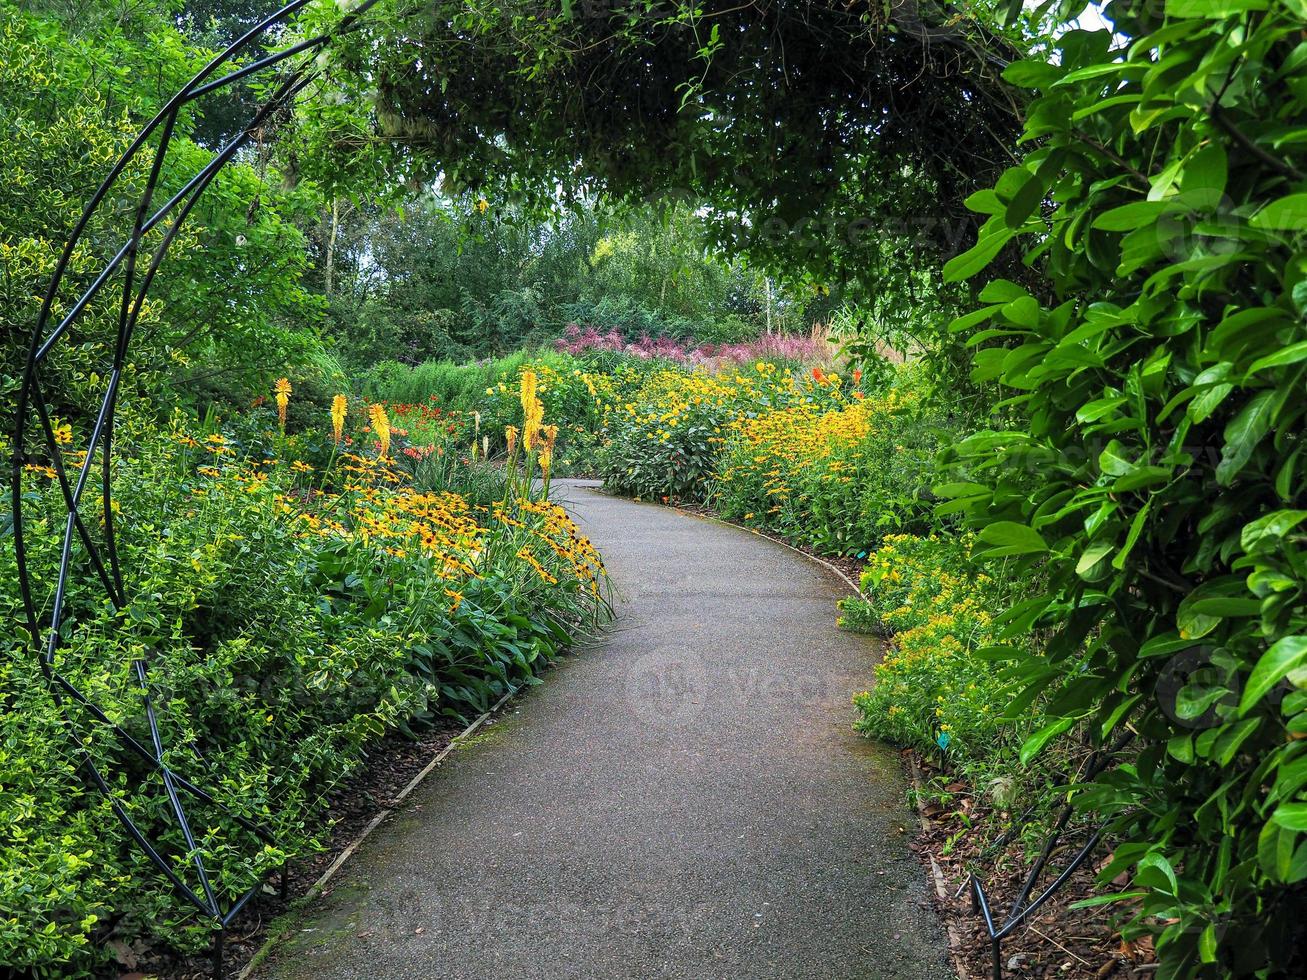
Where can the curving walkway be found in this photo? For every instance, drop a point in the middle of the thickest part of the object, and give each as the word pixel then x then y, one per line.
pixel 686 799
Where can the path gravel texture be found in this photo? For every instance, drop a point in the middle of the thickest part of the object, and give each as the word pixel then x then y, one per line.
pixel 684 798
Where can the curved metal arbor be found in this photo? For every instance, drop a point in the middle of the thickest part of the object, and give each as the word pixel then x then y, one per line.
pixel 137 267
pixel 47 631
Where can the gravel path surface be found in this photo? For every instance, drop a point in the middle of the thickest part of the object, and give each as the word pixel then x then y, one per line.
pixel 683 799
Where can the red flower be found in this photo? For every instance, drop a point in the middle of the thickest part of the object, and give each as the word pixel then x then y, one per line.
pixel 857 375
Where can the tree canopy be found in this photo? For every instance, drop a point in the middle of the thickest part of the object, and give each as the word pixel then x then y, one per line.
pixel 830 138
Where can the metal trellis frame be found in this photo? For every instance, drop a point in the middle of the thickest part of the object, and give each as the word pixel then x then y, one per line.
pixel 48 629
pixel 1022 906
pixel 138 267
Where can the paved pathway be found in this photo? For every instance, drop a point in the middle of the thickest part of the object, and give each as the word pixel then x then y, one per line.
pixel 684 800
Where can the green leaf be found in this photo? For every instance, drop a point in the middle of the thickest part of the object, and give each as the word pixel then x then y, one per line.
pixel 970 262
pixel 1001 291
pixel 1243 434
pixel 1023 311
pixel 1136 528
pixel 1272 526
pixel 1291 816
pixel 1092 556
pixel 1211 9
pixel 1097 900
pixel 1128 217
pixel 1284 657
pixel 1157 862
pixel 1287 355
pixel 1193 622
pixel 1113 461
pixel 1284 478
pixel 1207 401
pixel 1036 742
pixel 1024 202
pixel 1287 214
pixel 1095 410
pixel 1011 538
pixel 1207 944
pixel 1032 73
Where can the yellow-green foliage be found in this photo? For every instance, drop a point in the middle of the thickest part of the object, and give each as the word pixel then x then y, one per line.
pixel 291 608
pixel 931 689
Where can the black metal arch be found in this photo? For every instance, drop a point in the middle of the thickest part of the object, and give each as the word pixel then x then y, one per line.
pixel 138 268
pixel 46 630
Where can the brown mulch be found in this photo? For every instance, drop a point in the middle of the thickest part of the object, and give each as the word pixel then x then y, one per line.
pixel 391 764
pixel 1057 940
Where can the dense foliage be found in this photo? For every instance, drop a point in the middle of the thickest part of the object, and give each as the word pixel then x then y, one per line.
pixel 231 299
pixel 450 280
pixel 835 129
pixel 294 597
pixel 1153 469
pixel 640 190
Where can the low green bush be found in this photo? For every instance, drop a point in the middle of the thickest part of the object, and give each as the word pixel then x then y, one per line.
pixel 933 692
pixel 287 618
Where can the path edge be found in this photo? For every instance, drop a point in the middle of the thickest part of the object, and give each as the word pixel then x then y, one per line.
pixel 936 874
pixel 315 890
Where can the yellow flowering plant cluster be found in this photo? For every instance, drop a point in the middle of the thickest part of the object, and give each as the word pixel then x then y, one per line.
pixel 294 609
pixel 934 690
pixel 835 474
pixel 664 430
pixel 571 395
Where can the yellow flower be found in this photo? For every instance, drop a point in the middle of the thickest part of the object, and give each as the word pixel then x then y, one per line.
pixel 282 391
pixel 381 426
pixel 533 411
pixel 339 406
pixel 482 205
pixel 63 433
pixel 510 436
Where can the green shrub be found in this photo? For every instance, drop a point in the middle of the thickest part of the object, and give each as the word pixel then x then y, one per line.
pixel 1156 485
pixel 836 469
pixel 283 630
pixel 932 691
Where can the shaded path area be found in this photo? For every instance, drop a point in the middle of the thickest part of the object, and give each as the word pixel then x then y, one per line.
pixel 684 799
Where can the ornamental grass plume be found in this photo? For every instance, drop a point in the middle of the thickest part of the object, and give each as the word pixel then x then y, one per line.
pixel 282 389
pixel 339 408
pixel 381 426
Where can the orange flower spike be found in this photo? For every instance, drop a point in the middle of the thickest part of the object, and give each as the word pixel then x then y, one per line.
pixel 339 411
pixel 282 390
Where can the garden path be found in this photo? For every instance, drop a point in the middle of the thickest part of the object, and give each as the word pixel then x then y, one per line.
pixel 683 799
